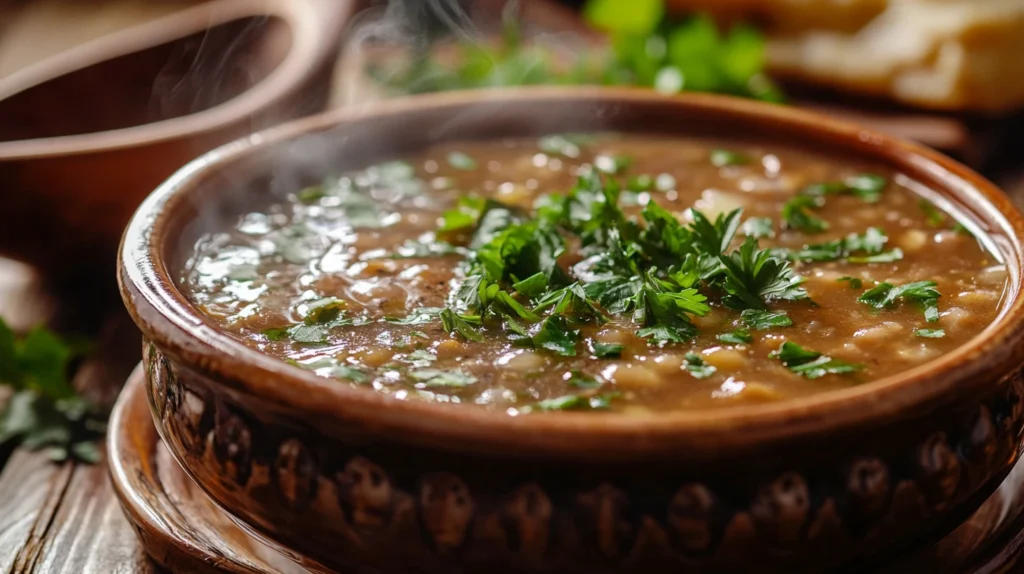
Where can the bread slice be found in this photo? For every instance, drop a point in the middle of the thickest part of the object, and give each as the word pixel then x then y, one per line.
pixel 937 54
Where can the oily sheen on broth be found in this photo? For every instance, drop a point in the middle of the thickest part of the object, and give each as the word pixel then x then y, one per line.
pixel 604 272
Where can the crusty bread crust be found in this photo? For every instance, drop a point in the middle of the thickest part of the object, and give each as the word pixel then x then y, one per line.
pixel 938 54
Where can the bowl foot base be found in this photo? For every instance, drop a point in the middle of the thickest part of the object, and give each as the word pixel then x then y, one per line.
pixel 184 531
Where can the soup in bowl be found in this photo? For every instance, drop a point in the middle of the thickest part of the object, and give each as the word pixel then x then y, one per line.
pixel 580 331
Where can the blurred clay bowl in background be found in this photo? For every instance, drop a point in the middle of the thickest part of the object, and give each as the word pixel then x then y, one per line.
pixel 89 132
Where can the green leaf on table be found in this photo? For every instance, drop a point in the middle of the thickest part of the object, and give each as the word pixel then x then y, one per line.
pixel 44 412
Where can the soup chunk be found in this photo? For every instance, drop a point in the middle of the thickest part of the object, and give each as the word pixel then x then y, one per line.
pixel 628 273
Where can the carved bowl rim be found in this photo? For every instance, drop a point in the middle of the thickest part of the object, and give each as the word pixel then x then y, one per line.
pixel 178 329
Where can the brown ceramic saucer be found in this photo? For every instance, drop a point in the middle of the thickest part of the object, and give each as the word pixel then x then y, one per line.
pixel 87 133
pixel 184 531
pixel 357 479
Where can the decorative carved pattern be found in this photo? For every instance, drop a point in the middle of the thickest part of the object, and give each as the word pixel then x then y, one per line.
pixel 789 515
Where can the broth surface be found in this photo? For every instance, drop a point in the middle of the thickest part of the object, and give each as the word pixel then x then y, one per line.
pixel 349 279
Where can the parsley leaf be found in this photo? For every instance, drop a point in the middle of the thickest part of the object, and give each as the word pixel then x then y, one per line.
pixel 714 238
pixel 463 216
pixel 665 313
pixel 811 364
pixel 886 295
pixel 758 227
pixel 465 325
pixel 868 187
pixel 556 336
pixel 698 367
pixel 855 282
pixel 737 337
pixel 871 242
pixel 323 310
pixel 420 316
pixel 308 334
pixel 582 380
pixel 574 403
pixel 571 302
pixel 755 277
pixel 762 320
pixel 724 157
pixel 603 350
pixel 886 257
pixel 430 378
pixel 930 333
pixel 933 216
pixel 796 214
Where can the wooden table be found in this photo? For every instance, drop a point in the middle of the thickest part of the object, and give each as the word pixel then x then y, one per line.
pixel 64 517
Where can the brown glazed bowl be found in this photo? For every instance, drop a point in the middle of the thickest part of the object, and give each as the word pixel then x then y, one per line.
pixel 368 483
pixel 86 134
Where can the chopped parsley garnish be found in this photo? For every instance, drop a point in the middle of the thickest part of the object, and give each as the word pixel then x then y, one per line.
pixel 461 324
pixel 582 380
pixel 811 364
pixel 420 358
pixel 868 187
pixel 739 336
pixel 886 295
pixel 323 310
pixel 724 157
pixel 574 403
pixel 855 282
pixel 886 257
pixel 463 216
pixel 459 160
pixel 796 214
pixel 758 227
pixel 556 336
pixel 870 243
pixel 933 216
pixel 430 378
pixel 762 320
pixel 603 350
pixel 420 316
pixel 642 182
pixel 656 271
pixel 936 218
pixel 930 333
pixel 308 334
pixel 754 277
pixel 697 366
pixel 330 367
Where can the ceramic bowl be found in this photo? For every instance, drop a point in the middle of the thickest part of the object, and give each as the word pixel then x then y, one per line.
pixel 86 134
pixel 365 482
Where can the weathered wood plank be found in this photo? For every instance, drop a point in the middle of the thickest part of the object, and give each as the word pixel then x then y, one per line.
pixel 89 534
pixel 31 489
pixel 45 503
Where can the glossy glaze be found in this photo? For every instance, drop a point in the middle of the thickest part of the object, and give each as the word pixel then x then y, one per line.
pixel 357 479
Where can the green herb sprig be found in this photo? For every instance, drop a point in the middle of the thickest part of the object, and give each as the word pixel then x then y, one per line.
pixel 648 48
pixel 44 412
pixel 811 364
